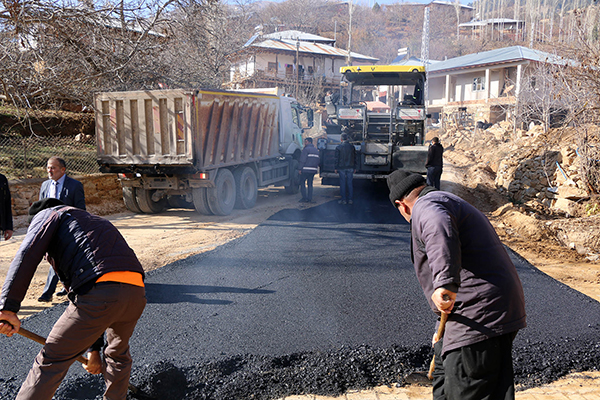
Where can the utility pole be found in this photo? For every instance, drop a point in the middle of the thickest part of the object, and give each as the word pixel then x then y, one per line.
pixel 297 66
pixel 425 60
pixel 349 59
pixel 425 54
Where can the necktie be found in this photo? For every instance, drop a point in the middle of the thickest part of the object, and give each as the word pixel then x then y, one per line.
pixel 53 191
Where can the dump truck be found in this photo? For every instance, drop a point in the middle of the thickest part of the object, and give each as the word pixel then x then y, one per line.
pixel 382 110
pixel 205 149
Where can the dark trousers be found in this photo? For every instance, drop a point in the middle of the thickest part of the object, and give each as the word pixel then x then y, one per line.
pixel 111 307
pixel 346 183
pixel 51 282
pixel 306 184
pixel 481 371
pixel 434 175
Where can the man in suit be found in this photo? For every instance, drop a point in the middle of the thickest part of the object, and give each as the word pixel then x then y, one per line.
pixel 69 191
pixel 6 222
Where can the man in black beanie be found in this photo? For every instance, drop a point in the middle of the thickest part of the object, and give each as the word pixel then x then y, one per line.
pixel 106 289
pixel 464 272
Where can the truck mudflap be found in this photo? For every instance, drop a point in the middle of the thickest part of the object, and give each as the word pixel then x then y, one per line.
pixel 410 158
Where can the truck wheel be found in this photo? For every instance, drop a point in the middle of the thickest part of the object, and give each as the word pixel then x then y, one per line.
pixel 294 186
pixel 146 204
pixel 200 202
pixel 221 198
pixel 130 200
pixel 246 188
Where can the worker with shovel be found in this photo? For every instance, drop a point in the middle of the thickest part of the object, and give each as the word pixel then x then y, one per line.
pixel 465 273
pixel 106 293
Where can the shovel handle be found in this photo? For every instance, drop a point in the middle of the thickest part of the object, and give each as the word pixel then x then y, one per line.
pixel 439 334
pixel 41 340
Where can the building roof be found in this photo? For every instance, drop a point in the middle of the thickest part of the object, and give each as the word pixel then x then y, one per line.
pixel 492 21
pixel 309 48
pixel 298 35
pixel 412 60
pixel 452 3
pixel 493 57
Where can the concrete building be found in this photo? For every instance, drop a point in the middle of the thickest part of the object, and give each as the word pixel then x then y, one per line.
pixel 291 59
pixel 485 85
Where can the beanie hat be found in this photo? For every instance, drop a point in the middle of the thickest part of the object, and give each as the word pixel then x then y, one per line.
pixel 401 183
pixel 42 205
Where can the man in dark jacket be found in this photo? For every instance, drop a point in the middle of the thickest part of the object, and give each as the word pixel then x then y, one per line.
pixel 434 163
pixel 6 221
pixel 345 161
pixel 465 272
pixel 308 166
pixel 70 192
pixel 106 289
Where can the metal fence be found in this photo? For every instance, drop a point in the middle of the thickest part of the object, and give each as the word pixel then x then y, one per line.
pixel 26 157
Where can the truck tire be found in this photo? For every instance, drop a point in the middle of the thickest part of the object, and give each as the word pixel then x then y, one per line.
pixel 129 198
pixel 200 202
pixel 221 198
pixel 294 186
pixel 146 204
pixel 246 188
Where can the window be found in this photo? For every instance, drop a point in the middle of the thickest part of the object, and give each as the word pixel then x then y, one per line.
pixel 478 84
pixel 289 70
pixel 272 68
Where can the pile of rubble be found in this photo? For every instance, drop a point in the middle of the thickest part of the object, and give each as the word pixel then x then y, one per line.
pixel 528 165
pixel 537 173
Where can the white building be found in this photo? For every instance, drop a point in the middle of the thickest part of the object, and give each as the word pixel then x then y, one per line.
pixel 291 58
pixel 483 84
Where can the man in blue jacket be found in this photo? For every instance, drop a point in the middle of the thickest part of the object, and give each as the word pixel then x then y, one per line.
pixel 465 272
pixel 308 166
pixel 106 290
pixel 70 192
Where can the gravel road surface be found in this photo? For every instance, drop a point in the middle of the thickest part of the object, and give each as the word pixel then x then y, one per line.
pixel 318 300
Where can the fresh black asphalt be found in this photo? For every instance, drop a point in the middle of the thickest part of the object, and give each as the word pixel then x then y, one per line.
pixel 314 300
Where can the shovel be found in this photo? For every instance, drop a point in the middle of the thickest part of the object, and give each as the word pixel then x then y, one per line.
pixel 41 340
pixel 438 335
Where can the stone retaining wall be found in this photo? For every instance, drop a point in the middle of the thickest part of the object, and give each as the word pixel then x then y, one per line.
pixel 100 189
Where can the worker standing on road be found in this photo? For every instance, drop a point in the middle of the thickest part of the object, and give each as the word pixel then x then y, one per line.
pixel 308 166
pixel 434 163
pixel 345 166
pixel 6 221
pixel 465 272
pixel 106 290
pixel 70 192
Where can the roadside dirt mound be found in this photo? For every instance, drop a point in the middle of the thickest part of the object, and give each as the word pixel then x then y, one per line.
pixel 562 242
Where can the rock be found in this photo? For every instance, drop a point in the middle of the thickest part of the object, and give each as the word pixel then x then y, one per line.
pixel 571 193
pixel 565 205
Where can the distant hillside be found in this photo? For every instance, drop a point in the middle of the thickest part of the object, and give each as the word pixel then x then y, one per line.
pixel 381 30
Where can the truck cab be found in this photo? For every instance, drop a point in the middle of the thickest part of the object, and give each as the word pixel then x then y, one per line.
pixel 290 129
pixel 382 110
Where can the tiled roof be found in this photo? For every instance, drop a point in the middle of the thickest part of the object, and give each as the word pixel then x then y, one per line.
pixel 310 48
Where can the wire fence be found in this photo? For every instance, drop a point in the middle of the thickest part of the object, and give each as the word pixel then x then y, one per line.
pixel 26 157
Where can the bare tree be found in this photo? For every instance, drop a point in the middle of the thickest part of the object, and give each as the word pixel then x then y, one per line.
pixel 202 36
pixel 51 54
pixel 544 98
